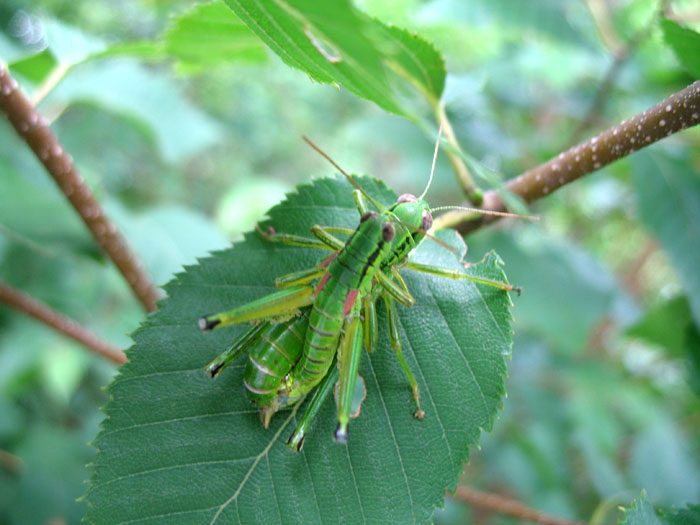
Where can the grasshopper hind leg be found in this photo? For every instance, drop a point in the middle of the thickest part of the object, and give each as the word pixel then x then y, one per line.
pixel 296 440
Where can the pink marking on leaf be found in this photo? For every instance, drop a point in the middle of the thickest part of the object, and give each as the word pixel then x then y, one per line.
pixel 350 301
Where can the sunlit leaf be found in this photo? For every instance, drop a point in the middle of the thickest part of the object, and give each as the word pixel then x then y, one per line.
pixel 209 35
pixel 336 43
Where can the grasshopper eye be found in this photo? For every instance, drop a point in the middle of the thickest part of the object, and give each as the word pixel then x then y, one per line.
pixel 368 215
pixel 407 197
pixel 427 221
pixel 388 232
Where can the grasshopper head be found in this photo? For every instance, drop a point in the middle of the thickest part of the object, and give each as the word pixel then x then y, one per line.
pixel 413 213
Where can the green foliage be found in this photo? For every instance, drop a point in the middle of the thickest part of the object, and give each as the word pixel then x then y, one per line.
pixel 685 43
pixel 211 35
pixel 674 218
pixel 607 337
pixel 339 44
pixel 641 512
pixel 199 444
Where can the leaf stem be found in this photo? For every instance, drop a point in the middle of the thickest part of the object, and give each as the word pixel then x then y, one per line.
pixel 676 113
pixel 47 315
pixel 503 505
pixel 50 83
pixel 35 130
pixel 460 168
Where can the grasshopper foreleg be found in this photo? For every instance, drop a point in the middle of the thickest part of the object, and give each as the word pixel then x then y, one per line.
pixel 395 338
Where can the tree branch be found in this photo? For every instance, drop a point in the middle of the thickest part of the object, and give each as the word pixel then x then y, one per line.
pixel 35 131
pixel 678 112
pixel 503 505
pixel 30 306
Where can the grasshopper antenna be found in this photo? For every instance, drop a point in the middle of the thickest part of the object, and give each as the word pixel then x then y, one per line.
pixel 341 170
pixel 488 212
pixel 435 154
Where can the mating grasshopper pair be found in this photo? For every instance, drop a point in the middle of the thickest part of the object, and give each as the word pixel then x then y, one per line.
pixel 310 333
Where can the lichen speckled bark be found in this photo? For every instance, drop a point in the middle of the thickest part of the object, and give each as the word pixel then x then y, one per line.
pixel 676 113
pixel 36 132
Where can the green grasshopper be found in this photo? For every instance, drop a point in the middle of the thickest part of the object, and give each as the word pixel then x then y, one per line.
pixel 342 315
pixel 272 351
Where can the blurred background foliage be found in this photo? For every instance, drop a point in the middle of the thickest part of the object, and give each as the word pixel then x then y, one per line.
pixel 187 148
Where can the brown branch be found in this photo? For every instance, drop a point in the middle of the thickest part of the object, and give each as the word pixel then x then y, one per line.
pixel 503 505
pixel 11 463
pixel 30 306
pixel 35 131
pixel 678 112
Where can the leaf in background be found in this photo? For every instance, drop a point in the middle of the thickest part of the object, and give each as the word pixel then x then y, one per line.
pixel 211 35
pixel 668 202
pixel 661 460
pixel 565 291
pixel 36 67
pixel 692 339
pixel 25 218
pixel 66 46
pixel 665 325
pixel 670 325
pixel 641 512
pixel 167 237
pixel 558 20
pixel 180 447
pixel 336 43
pixel 685 43
pixel 125 87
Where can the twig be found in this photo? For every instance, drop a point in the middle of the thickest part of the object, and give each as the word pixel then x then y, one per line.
pixel 11 463
pixel 30 306
pixel 507 506
pixel 35 131
pixel 458 166
pixel 678 112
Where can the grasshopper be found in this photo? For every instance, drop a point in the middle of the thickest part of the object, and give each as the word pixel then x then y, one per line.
pixel 341 292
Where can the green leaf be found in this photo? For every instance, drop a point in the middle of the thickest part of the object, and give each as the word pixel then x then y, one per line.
pixel 685 43
pixel 665 325
pixel 25 219
pixel 127 88
pixel 552 273
pixel 35 67
pixel 179 447
pixel 211 35
pixel 668 200
pixel 336 43
pixel 641 512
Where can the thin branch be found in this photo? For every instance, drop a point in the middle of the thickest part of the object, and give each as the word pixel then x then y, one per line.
pixel 30 306
pixel 503 505
pixel 458 166
pixel 35 131
pixel 676 113
pixel 11 463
